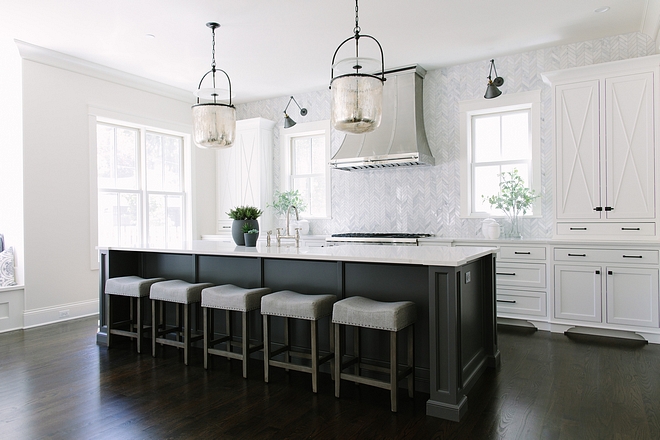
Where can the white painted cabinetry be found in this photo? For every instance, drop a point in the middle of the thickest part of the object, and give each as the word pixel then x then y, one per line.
pixel 605 149
pixel 244 171
pixel 607 286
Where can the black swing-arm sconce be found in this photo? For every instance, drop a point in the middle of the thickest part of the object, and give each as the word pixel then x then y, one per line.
pixel 288 122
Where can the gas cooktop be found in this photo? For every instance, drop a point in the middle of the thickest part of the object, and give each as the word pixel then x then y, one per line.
pixel 380 235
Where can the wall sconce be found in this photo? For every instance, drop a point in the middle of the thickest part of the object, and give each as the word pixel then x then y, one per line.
pixel 357 98
pixel 214 123
pixel 288 122
pixel 492 90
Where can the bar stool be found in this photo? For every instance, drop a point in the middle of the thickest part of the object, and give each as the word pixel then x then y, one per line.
pixel 390 316
pixel 137 289
pixel 288 304
pixel 230 298
pixel 183 294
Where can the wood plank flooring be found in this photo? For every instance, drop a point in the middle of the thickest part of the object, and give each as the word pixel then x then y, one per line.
pixel 55 382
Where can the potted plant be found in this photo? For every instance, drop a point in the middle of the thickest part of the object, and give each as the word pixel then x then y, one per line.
pixel 282 201
pixel 243 215
pixel 514 199
pixel 250 235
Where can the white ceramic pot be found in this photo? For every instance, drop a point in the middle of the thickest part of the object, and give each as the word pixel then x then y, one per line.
pixel 303 225
pixel 490 229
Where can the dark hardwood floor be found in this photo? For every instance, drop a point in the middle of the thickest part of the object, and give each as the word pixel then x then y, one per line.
pixel 55 382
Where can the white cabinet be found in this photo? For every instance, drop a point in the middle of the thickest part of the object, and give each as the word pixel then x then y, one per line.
pixel 605 148
pixel 244 173
pixel 610 292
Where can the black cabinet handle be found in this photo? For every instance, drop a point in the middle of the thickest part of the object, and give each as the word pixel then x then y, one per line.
pixel 632 256
pixel 609 272
pixel 522 253
pixel 506 273
pixel 630 229
pixel 609 208
pixel 598 208
pixel 578 229
pixel 577 255
pixel 506 301
pixel 597 272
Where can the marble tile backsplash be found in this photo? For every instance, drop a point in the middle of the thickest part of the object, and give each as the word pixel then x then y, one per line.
pixel 427 199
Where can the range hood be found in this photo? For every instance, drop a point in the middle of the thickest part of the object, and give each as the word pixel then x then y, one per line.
pixel 400 140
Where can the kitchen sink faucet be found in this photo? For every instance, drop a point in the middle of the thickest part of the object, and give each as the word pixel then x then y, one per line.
pixel 288 232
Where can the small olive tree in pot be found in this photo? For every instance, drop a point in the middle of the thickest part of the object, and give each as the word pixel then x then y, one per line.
pixel 243 215
pixel 514 199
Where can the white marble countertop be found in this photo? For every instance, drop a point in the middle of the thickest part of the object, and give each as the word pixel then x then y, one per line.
pixel 422 255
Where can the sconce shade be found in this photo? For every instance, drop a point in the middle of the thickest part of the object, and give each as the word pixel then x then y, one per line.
pixel 492 91
pixel 356 103
pixel 288 122
pixel 214 125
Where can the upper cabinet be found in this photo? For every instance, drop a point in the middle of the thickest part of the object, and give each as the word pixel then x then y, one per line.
pixel 605 149
pixel 244 173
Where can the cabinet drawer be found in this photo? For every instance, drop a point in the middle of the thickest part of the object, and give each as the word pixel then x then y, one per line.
pixel 521 274
pixel 522 252
pixel 521 302
pixel 629 256
pixel 580 229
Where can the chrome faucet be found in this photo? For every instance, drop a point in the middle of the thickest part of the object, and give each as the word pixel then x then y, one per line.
pixel 287 232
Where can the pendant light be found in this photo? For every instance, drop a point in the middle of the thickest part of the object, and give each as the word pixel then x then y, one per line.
pixel 214 123
pixel 492 90
pixel 357 98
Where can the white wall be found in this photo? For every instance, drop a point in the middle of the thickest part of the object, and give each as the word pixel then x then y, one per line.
pixel 58 195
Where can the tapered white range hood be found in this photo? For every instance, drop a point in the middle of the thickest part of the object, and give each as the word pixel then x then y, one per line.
pixel 400 140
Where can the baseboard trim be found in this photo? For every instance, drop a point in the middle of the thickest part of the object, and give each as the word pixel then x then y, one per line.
pixel 59 313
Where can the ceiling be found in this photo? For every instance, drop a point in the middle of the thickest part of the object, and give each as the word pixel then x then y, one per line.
pixel 275 48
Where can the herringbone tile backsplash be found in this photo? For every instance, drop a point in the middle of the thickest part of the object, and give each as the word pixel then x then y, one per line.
pixel 427 199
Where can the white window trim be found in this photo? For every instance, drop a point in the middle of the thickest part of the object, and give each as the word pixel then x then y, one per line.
pixel 299 130
pixel 104 115
pixel 467 109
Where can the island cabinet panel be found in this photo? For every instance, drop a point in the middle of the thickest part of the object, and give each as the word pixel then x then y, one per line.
pixel 244 272
pixel 302 276
pixel 169 266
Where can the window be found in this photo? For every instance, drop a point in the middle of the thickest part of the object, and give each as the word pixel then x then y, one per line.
pixel 141 191
pixel 306 149
pixel 498 135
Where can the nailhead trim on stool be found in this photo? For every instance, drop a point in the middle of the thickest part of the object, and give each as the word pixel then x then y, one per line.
pixel 230 298
pixel 133 287
pixel 290 304
pixel 181 293
pixel 389 316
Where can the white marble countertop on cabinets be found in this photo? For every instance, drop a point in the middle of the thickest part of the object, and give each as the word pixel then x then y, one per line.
pixel 422 255
pixel 539 241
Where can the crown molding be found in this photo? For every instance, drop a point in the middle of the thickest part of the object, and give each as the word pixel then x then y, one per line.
pixel 78 65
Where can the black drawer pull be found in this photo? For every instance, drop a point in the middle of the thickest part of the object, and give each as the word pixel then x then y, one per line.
pixel 510 301
pixel 632 256
pixel 630 229
pixel 506 273
pixel 609 208
pixel 597 272
pixel 578 229
pixel 598 208
pixel 609 272
pixel 522 253
pixel 577 255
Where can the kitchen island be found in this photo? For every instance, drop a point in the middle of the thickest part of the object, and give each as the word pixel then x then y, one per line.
pixel 452 287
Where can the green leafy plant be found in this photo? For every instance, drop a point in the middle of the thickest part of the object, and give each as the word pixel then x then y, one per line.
pixel 282 201
pixel 514 198
pixel 244 213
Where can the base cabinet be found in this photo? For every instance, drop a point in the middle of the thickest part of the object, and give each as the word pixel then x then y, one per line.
pixel 578 293
pixel 632 296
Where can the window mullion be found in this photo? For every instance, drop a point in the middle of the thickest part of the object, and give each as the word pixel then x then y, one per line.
pixel 144 199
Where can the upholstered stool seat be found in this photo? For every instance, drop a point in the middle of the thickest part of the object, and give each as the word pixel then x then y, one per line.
pixel 389 316
pixel 288 304
pixel 230 298
pixel 137 289
pixel 183 294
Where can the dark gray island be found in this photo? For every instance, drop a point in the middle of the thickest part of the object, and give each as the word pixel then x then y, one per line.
pixel 453 288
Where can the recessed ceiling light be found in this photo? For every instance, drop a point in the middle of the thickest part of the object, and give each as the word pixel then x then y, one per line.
pixel 150 36
pixel 603 9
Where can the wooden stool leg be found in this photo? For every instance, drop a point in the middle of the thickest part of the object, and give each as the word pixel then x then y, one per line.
pixel 245 342
pixel 331 334
pixel 287 358
pixel 411 360
pixel 186 332
pixel 108 314
pixel 206 336
pixel 228 331
pixel 338 358
pixel 266 346
pixel 315 356
pixel 356 347
pixel 154 326
pixel 139 323
pixel 393 370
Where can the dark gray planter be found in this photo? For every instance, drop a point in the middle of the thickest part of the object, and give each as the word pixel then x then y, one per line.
pixel 250 239
pixel 237 230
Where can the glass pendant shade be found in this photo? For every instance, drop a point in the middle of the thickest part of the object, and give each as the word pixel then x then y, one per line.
pixel 214 125
pixel 356 103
